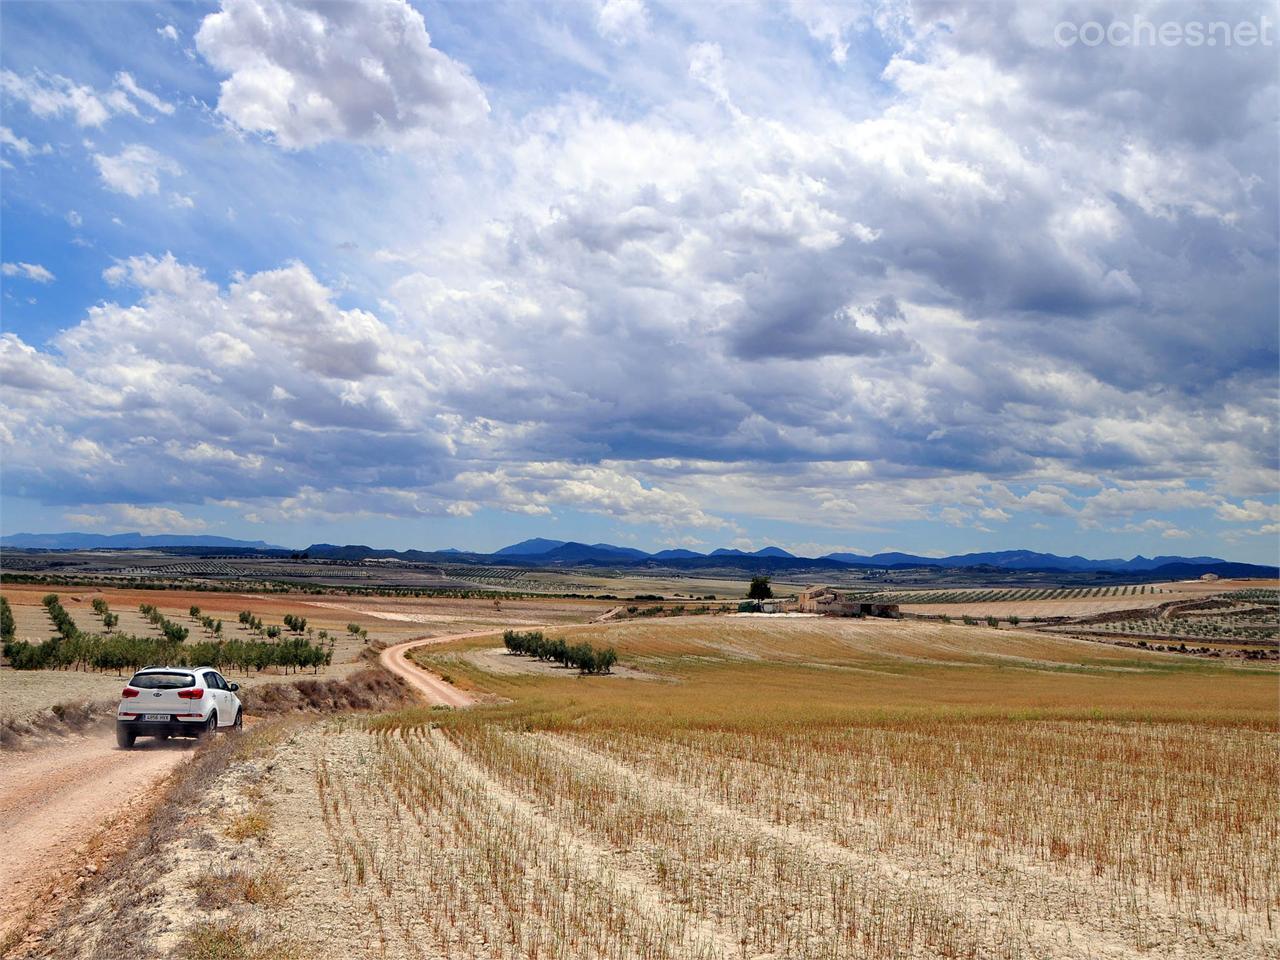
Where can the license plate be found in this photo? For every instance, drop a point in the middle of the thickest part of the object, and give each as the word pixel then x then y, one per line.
pixel 156 716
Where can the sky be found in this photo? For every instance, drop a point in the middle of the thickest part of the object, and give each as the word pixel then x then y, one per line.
pixel 923 276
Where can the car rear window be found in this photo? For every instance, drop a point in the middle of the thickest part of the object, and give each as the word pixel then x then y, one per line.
pixel 162 680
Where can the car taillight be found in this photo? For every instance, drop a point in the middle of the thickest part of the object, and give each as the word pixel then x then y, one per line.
pixel 129 692
pixel 191 694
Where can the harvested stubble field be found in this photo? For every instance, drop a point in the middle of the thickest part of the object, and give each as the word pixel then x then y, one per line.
pixel 804 788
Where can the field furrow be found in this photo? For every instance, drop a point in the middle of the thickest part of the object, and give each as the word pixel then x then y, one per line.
pixel 445 865
pixel 1133 806
pixel 781 893
pixel 1056 902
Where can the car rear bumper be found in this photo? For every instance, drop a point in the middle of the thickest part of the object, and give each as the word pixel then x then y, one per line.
pixel 185 727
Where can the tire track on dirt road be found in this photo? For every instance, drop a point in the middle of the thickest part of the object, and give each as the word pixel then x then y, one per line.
pixel 55 798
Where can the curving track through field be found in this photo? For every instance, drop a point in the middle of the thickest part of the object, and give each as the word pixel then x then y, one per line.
pixel 433 689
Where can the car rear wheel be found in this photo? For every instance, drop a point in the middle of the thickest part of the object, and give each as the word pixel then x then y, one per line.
pixel 210 727
pixel 125 738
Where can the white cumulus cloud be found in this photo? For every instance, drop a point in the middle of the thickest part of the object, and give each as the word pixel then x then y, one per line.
pixel 308 73
pixel 135 170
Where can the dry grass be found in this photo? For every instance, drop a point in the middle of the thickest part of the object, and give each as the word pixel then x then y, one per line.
pixel 367 689
pixel 758 672
pixel 231 940
pixel 249 826
pixel 123 903
pixel 224 889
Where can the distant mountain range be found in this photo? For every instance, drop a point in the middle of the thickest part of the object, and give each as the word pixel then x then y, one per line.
pixel 1017 560
pixel 542 552
pixel 551 551
pixel 560 549
pixel 125 541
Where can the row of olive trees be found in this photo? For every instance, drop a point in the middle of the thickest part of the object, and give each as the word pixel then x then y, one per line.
pixel 211 626
pixel 583 656
pixel 109 620
pixel 74 648
pixel 173 632
pixel 255 624
pixel 294 622
pixel 62 621
pixel 54 652
pixel 123 651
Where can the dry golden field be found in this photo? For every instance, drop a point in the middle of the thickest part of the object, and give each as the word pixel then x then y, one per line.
pixel 783 789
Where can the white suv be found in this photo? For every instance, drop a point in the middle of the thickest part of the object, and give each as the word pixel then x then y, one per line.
pixel 169 702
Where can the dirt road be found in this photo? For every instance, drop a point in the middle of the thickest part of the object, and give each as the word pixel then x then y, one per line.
pixel 54 799
pixel 433 688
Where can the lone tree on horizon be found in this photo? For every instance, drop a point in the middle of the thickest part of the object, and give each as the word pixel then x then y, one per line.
pixel 759 589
